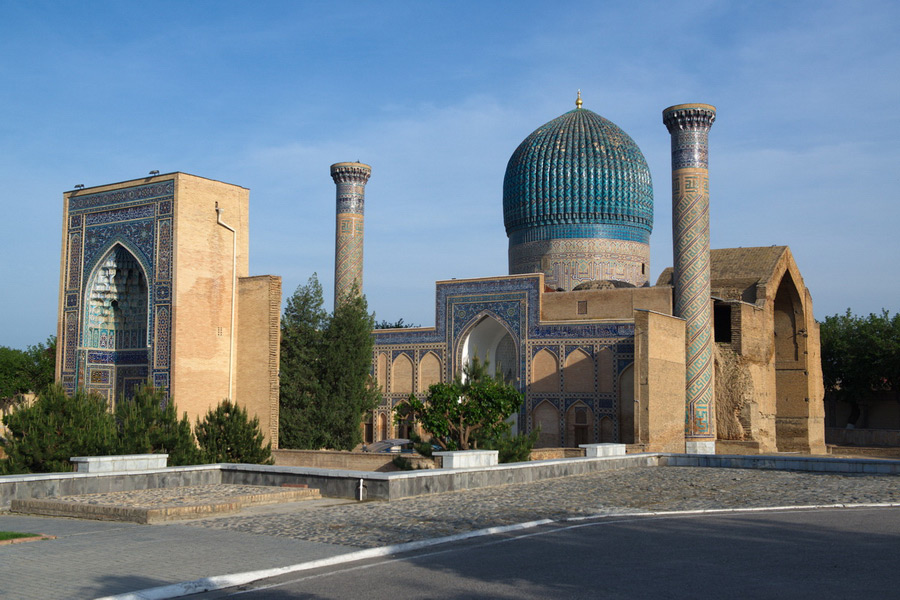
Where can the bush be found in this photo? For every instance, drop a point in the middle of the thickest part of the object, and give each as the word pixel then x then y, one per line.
pixel 511 448
pixel 228 435
pixel 148 424
pixel 46 434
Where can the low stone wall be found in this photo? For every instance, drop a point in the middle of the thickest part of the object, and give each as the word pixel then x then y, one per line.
pixel 53 485
pixel 552 453
pixel 392 486
pixel 862 437
pixel 379 462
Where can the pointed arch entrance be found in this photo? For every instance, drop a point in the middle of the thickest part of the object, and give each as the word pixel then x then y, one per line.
pixel 493 344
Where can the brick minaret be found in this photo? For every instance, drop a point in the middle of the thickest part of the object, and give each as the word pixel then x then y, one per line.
pixel 350 178
pixel 689 125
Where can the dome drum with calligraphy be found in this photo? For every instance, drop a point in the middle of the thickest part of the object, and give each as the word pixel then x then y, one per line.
pixel 578 203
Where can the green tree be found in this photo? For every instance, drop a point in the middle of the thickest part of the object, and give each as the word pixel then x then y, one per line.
pixel 345 371
pixel 325 370
pixel 861 355
pixel 148 423
pixel 398 324
pixel 474 405
pixel 30 370
pixel 56 427
pixel 300 394
pixel 228 435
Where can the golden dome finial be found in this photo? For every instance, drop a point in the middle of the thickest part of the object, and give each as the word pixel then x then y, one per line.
pixel 578 100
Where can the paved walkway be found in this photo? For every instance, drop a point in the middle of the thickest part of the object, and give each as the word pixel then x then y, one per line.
pixel 90 559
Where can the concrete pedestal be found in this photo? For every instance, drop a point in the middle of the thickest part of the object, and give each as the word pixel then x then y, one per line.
pixel 123 462
pixel 598 450
pixel 462 459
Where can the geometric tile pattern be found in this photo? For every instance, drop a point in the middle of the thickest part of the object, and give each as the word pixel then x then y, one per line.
pixel 350 179
pixel 689 127
pixel 566 262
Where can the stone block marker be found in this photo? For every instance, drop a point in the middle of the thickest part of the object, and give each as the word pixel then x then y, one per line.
pixel 600 450
pixel 462 459
pixel 122 462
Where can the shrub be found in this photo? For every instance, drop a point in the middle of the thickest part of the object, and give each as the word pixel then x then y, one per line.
pixel 148 424
pixel 228 435
pixel 511 448
pixel 46 434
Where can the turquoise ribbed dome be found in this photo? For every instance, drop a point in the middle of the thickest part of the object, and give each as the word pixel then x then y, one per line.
pixel 578 176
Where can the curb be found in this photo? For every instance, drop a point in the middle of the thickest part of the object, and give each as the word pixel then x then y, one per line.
pixel 208 584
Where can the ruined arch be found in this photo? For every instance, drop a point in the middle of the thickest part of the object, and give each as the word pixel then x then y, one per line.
pixel 791 368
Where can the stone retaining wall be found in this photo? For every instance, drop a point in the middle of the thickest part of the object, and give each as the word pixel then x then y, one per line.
pixel 352 461
pixel 392 486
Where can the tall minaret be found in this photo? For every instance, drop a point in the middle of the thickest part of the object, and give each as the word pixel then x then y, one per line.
pixel 350 179
pixel 689 125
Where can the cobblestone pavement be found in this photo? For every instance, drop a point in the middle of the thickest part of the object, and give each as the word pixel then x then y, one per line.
pixel 373 524
pixel 189 495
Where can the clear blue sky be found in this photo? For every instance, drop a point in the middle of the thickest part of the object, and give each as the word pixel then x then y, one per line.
pixel 436 96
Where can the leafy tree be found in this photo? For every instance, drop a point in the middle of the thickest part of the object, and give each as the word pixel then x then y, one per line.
pixel 325 370
pixel 148 423
pixel 30 370
pixel 861 355
pixel 228 435
pixel 56 427
pixel 473 404
pixel 398 324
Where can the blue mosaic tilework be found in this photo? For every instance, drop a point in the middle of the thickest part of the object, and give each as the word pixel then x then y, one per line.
pixel 118 198
pixel 97 223
pixel 578 168
pixel 131 213
pixel 579 231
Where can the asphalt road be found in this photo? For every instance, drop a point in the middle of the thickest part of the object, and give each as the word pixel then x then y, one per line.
pixel 835 553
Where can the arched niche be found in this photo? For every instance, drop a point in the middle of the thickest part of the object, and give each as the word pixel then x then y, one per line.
pixel 579 425
pixel 402 375
pixel 544 372
pixel 626 406
pixel 483 340
pixel 429 371
pixel 579 372
pixel 546 416
pixel 381 370
pixel 117 297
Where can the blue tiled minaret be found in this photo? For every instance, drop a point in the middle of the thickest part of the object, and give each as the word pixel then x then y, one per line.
pixel 689 126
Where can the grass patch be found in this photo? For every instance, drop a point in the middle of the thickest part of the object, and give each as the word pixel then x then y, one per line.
pixel 13 535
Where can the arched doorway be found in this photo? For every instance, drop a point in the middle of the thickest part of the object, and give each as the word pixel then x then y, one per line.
pixel 492 343
pixel 579 425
